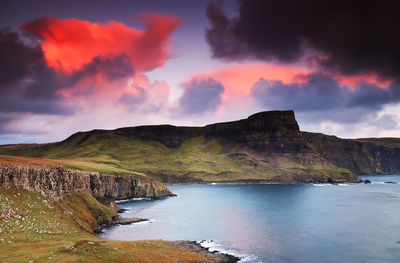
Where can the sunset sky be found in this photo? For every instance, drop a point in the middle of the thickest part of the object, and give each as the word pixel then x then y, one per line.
pixel 81 65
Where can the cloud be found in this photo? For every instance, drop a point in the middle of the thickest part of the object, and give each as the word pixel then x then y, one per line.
pixel 111 68
pixel 239 78
pixel 200 96
pixel 368 95
pixel 133 98
pixel 322 97
pixel 5 120
pixel 69 44
pixel 142 95
pixel 386 122
pixel 28 85
pixel 32 86
pixel 349 38
pixel 16 59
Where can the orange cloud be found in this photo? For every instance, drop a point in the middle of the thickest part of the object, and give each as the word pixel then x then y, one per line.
pixel 368 78
pixel 68 44
pixel 239 79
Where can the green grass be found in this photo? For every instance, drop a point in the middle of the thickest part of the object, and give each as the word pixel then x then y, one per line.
pixel 40 229
pixel 197 158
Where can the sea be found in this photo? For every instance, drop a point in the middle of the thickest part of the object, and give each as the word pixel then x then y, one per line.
pixel 276 222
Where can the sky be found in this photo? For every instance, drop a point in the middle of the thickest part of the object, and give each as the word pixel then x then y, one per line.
pixel 69 66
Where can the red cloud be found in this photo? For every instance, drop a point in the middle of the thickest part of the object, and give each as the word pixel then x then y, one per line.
pixel 68 44
pixel 238 79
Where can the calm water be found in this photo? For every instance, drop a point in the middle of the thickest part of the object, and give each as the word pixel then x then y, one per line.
pixel 278 223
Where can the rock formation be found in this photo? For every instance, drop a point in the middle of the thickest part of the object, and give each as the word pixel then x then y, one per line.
pixel 56 182
pixel 265 147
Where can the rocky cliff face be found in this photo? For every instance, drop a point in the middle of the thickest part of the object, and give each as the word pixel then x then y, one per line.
pixel 276 133
pixel 271 131
pixel 56 182
pixel 267 146
pixel 364 156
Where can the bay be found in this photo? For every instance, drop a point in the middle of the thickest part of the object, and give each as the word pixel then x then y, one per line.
pixel 277 222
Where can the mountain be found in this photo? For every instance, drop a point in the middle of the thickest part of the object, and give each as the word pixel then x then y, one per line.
pixel 265 147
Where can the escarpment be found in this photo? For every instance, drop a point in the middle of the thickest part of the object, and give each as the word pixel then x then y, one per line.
pixel 361 156
pixel 57 182
pixel 277 133
pixel 269 132
pixel 265 147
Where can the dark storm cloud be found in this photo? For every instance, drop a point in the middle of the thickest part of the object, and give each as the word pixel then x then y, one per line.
pixel 370 96
pixel 25 80
pixel 321 93
pixel 16 59
pixel 111 68
pixel 200 96
pixel 28 85
pixel 349 37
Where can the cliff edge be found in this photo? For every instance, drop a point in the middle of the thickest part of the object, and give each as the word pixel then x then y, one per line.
pixel 57 182
pixel 265 147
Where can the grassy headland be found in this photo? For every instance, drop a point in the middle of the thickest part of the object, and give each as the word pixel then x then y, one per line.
pixel 266 147
pixel 34 228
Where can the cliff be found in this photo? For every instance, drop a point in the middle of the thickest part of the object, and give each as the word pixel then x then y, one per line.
pixel 361 156
pixel 264 131
pixel 57 182
pixel 36 228
pixel 265 147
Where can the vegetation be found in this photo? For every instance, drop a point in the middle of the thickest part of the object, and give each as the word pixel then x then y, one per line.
pixel 34 228
pixel 196 159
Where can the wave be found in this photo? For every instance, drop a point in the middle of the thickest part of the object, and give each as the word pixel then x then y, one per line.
pixel 213 246
pixel 149 221
pixel 134 199
pixel 340 184
pixel 321 184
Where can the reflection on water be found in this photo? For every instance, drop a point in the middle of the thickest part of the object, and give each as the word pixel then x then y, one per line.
pixel 278 223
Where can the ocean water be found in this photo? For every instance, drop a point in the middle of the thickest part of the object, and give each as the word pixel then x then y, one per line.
pixel 277 223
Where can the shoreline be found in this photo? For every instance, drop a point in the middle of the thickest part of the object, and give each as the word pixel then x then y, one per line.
pixel 194 246
pixel 261 183
pixel 267 182
pixel 197 245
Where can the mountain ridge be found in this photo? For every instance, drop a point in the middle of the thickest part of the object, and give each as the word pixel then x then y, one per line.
pixel 265 147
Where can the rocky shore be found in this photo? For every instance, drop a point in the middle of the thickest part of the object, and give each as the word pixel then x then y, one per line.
pixel 56 182
pixel 118 221
pixel 195 247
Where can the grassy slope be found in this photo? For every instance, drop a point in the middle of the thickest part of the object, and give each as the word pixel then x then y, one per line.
pixel 197 159
pixel 36 228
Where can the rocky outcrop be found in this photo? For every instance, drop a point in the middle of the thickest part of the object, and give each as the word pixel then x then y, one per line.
pixel 57 182
pixel 361 156
pixel 270 131
pixel 196 247
pixel 267 146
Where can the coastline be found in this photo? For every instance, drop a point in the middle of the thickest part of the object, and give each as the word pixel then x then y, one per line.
pixel 193 246
pixel 266 182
